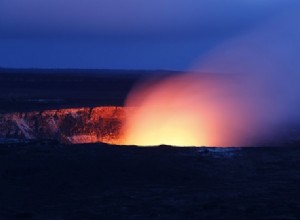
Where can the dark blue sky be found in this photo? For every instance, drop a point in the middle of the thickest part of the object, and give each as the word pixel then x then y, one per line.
pixel 122 34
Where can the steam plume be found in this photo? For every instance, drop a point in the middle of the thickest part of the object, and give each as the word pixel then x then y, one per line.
pixel 250 90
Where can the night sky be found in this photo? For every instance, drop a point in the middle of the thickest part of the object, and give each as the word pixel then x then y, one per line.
pixel 122 34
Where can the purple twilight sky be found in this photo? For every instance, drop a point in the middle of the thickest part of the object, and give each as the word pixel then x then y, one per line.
pixel 122 34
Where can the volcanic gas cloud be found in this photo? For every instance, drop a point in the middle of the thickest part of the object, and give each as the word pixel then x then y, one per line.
pixel 257 95
pixel 193 110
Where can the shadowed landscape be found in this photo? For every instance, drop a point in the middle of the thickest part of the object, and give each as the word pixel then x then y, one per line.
pixel 149 110
pixel 44 89
pixel 46 179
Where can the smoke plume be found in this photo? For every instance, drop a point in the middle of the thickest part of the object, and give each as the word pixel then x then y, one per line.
pixel 243 92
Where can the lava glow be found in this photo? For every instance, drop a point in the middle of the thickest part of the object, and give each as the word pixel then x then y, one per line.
pixel 189 110
pixel 250 106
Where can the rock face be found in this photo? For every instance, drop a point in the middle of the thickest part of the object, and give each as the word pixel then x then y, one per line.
pixel 89 125
pixel 75 125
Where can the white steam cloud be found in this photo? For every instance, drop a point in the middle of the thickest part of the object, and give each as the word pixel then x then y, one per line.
pixel 259 94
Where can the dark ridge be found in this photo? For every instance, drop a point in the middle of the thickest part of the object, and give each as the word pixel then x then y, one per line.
pixel 4 70
pixel 42 89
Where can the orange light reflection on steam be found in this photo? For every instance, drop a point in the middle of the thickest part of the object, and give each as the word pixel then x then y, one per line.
pixel 185 111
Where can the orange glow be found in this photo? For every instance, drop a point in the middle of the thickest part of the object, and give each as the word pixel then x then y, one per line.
pixel 188 110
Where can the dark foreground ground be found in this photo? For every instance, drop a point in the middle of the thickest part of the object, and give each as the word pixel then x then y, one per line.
pixel 53 181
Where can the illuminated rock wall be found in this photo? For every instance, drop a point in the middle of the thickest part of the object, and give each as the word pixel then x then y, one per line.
pixel 90 125
pixel 76 125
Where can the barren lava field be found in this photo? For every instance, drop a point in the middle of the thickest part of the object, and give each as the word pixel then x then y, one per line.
pixel 46 179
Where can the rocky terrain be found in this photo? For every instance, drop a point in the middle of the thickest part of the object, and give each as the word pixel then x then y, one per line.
pixel 92 125
pixel 51 181
pixel 75 125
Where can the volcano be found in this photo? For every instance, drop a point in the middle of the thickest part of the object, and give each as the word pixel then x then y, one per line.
pixel 106 124
pixel 74 176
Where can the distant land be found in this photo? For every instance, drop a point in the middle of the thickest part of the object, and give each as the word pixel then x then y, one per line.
pixel 6 70
pixel 39 89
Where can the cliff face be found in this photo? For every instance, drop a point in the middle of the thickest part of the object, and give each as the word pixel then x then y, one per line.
pixel 89 125
pixel 76 125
